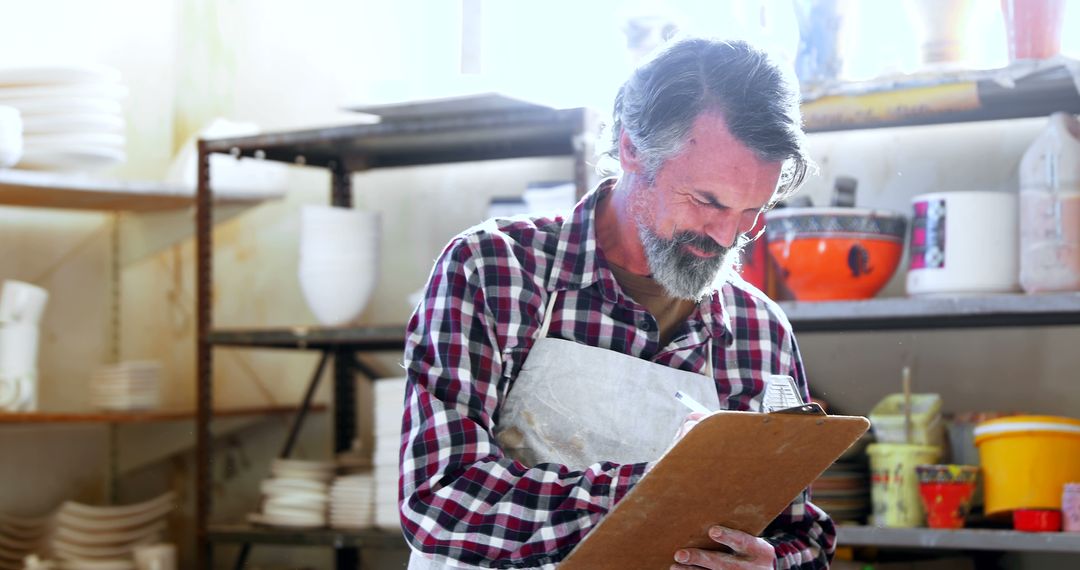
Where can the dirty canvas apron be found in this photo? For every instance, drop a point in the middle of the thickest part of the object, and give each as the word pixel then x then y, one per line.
pixel 577 405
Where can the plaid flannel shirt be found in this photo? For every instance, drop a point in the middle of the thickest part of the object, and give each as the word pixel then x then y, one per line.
pixel 461 498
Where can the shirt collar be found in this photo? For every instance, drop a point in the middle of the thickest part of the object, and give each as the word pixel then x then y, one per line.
pixel 579 263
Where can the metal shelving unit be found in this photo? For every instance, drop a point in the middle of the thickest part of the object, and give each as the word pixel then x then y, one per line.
pixel 514 132
pixel 524 132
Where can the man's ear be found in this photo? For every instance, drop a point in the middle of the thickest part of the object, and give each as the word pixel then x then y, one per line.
pixel 629 159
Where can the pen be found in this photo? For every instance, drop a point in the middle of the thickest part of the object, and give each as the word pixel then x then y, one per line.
pixel 694 405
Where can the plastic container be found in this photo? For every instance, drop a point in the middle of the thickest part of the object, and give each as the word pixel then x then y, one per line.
pixel 1027 460
pixel 927 426
pixel 1037 520
pixel 947 491
pixel 894 484
pixel 1070 507
pixel 951 233
pixel 1050 208
pixel 1033 27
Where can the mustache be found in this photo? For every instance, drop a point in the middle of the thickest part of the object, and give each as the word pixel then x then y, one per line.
pixel 698 241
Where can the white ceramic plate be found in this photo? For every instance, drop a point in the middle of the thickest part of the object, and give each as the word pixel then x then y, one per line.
pixel 54 140
pixel 285 485
pixel 112 91
pixel 269 520
pixel 93 511
pixel 117 564
pixel 65 106
pixel 108 538
pixel 58 74
pixel 301 464
pixel 72 158
pixel 68 551
pixel 74 123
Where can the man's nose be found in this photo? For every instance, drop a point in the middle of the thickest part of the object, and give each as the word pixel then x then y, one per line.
pixel 724 230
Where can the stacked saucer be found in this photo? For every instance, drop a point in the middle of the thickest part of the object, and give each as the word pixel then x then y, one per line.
pixel 843 492
pixel 389 406
pixel 20 537
pixel 296 494
pixel 86 537
pixel 72 115
pixel 131 385
pixel 352 501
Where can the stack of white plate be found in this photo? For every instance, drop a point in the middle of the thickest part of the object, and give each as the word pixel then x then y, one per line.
pixel 130 385
pixel 72 116
pixel 85 537
pixel 20 537
pixel 389 406
pixel 296 495
pixel 352 501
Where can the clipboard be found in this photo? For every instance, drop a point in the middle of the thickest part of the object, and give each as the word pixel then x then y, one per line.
pixel 734 469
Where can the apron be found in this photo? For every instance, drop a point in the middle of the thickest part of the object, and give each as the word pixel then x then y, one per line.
pixel 577 405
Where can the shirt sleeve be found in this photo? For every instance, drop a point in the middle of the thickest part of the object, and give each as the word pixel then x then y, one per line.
pixel 463 501
pixel 803 536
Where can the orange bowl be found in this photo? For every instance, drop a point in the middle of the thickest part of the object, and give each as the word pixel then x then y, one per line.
pixel 833 254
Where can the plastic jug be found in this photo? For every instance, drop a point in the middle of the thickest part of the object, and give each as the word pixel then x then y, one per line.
pixel 1050 208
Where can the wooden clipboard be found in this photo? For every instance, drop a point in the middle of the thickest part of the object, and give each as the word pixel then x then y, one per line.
pixel 734 469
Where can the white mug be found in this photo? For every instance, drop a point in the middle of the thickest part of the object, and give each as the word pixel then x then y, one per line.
pixel 161 556
pixel 18 349
pixel 964 242
pixel 22 302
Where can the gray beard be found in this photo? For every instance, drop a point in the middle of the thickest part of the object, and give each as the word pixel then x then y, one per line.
pixel 682 274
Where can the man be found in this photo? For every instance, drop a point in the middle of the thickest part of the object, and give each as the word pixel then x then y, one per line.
pixel 544 356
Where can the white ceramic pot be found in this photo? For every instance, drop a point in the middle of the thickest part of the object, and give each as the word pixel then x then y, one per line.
pixel 22 302
pixel 18 349
pixel 964 242
pixel 11 136
pixel 337 293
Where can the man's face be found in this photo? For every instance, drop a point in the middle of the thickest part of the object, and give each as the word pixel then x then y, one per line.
pixel 699 203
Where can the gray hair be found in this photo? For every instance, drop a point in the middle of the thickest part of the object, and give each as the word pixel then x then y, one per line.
pixel 658 105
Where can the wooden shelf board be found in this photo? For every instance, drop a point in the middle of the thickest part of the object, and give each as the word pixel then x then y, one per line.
pixel 938 312
pixel 358 538
pixel 99 417
pixel 963 539
pixel 79 192
pixel 313 337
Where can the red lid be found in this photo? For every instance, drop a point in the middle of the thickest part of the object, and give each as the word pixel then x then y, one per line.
pixel 1037 520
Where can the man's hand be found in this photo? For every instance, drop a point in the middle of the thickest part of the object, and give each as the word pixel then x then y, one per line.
pixel 748 552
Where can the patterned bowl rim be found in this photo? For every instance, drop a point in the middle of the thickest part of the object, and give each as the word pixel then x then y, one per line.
pixel 832 211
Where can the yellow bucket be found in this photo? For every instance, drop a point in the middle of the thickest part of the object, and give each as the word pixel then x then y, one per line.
pixel 1027 460
pixel 894 484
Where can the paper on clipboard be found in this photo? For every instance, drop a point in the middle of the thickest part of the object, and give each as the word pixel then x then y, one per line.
pixel 734 469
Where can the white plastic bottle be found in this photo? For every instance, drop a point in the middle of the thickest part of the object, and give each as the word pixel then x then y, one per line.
pixel 1050 208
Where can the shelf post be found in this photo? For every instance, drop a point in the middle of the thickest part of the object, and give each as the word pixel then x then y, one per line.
pixel 203 363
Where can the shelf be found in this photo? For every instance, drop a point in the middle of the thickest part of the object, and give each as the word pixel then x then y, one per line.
pixel 1003 310
pixel 360 538
pixel 514 133
pixel 313 338
pixel 76 192
pixel 931 100
pixel 139 417
pixel 966 539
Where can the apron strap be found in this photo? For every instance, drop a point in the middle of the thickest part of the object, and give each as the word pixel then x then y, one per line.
pixel 708 361
pixel 547 315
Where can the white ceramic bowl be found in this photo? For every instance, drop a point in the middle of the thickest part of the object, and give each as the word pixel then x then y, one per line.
pixel 11 136
pixel 337 294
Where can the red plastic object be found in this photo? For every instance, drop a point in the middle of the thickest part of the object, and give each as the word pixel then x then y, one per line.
pixel 754 260
pixel 1037 520
pixel 947 504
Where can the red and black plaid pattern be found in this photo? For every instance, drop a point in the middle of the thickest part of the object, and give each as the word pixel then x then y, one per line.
pixel 461 497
